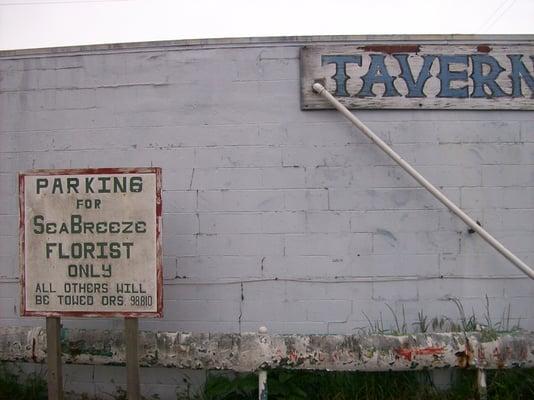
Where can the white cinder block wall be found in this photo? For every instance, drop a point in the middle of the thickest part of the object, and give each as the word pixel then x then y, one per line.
pixel 274 216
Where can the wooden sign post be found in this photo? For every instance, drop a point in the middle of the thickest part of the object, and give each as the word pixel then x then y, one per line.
pixel 53 358
pixel 131 328
pixel 90 246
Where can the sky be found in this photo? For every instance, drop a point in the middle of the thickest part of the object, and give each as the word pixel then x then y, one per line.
pixel 53 23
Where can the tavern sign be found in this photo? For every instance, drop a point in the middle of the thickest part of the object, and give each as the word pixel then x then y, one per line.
pixel 421 76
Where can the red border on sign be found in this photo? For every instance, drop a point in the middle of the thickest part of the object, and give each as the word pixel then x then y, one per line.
pixel 159 251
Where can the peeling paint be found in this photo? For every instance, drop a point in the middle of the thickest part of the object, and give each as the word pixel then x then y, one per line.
pixel 252 351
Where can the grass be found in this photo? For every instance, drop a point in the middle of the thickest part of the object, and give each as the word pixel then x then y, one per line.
pixel 465 322
pixel 16 385
pixel 313 385
pixel 511 384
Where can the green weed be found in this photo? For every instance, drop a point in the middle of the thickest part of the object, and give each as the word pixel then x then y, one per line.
pixel 465 322
pixel 514 384
pixel 16 385
pixel 321 385
pixel 517 384
pixel 315 385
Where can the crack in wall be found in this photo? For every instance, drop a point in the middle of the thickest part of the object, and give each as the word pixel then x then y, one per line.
pixel 242 299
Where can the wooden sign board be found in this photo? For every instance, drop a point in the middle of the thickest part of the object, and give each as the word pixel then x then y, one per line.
pixel 420 76
pixel 90 242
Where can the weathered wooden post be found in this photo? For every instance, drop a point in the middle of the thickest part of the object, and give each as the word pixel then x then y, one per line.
pixel 53 358
pixel 131 330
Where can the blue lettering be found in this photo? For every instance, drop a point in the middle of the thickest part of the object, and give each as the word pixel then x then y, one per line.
pixel 378 73
pixel 341 76
pixel 446 76
pixel 415 87
pixel 520 71
pixel 480 80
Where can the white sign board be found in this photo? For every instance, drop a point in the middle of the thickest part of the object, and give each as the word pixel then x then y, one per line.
pixel 90 242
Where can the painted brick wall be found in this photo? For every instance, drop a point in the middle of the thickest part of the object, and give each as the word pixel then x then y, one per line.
pixel 274 216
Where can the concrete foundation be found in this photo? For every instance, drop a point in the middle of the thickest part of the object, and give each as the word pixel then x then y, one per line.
pixel 251 351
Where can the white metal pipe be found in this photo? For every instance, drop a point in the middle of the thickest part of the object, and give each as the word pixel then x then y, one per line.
pixel 262 385
pixel 481 384
pixel 262 374
pixel 318 88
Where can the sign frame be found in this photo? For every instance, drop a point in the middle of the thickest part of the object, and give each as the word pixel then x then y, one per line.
pixel 158 242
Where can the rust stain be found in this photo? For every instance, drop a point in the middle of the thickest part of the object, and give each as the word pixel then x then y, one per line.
pixel 159 248
pixel 91 171
pixel 430 351
pixel 404 353
pixel 501 356
pixel 22 239
pixel 408 354
pixel 293 356
pixel 483 48
pixel 481 355
pixel 465 357
pixel 391 49
pixel 498 357
pixel 321 81
pixel 335 356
